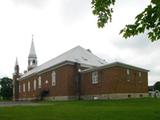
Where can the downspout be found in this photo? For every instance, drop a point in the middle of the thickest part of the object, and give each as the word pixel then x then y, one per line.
pixel 78 81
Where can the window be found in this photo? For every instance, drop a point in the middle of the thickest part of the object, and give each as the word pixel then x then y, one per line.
pixel 34 61
pixel 29 86
pixel 46 81
pixel 34 86
pixel 19 88
pixel 139 74
pixel 24 87
pixel 128 72
pixel 53 78
pixel 94 77
pixel 39 82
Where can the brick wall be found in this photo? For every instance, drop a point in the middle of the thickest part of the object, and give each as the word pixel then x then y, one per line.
pixel 65 83
pixel 115 80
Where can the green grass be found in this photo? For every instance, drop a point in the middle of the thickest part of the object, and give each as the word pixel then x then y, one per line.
pixel 133 109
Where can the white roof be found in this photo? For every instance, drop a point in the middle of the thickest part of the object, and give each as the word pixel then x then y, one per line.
pixel 77 54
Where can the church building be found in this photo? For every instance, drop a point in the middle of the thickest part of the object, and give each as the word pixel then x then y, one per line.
pixel 78 74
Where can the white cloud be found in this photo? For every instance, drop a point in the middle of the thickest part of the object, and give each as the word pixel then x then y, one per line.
pixel 63 24
pixel 32 3
pixel 73 10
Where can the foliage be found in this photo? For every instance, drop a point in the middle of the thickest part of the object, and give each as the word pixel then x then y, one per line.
pixel 133 109
pixel 103 9
pixel 157 86
pixel 6 88
pixel 148 20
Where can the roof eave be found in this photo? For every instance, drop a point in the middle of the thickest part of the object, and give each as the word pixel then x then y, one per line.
pixel 116 64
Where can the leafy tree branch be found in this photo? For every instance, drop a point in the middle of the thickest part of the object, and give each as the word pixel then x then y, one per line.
pixel 148 20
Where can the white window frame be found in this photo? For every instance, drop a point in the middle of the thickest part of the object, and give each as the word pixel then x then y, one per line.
pixel 128 75
pixel 39 82
pixel 53 78
pixel 34 84
pixel 95 77
pixel 29 86
pixel 128 71
pixel 140 74
pixel 24 87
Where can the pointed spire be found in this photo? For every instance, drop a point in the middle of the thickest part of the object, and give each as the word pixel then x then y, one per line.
pixel 16 62
pixel 32 52
pixel 16 67
pixel 32 58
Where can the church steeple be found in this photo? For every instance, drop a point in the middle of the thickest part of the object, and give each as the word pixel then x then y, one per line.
pixel 16 67
pixel 32 58
pixel 16 76
pixel 32 52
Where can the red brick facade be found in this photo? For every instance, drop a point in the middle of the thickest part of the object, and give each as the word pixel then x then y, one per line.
pixel 64 83
pixel 115 80
pixel 112 80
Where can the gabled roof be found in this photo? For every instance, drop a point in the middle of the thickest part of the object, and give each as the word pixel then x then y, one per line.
pixel 77 54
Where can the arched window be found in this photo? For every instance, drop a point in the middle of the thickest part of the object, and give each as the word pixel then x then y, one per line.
pixel 24 87
pixel 34 61
pixel 39 82
pixel 29 86
pixel 128 75
pixel 53 78
pixel 34 85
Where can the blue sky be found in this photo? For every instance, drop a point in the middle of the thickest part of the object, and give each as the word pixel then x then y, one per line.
pixel 63 24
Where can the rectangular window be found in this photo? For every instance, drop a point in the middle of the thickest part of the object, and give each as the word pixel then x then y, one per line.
pixel 34 85
pixel 39 82
pixel 24 87
pixel 94 77
pixel 29 86
pixel 53 78
pixel 139 74
pixel 128 72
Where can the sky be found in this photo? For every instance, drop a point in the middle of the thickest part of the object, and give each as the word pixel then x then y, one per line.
pixel 59 25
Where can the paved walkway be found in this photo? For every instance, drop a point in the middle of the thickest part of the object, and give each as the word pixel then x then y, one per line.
pixel 10 103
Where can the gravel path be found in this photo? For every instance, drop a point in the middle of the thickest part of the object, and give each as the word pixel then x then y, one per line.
pixel 10 103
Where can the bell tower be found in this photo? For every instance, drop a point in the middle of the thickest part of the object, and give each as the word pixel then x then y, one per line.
pixel 32 58
pixel 16 76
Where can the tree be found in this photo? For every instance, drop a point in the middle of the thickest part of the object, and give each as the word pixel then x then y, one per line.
pixel 148 20
pixel 6 91
pixel 157 86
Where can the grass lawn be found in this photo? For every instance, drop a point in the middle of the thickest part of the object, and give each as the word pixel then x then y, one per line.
pixel 133 109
